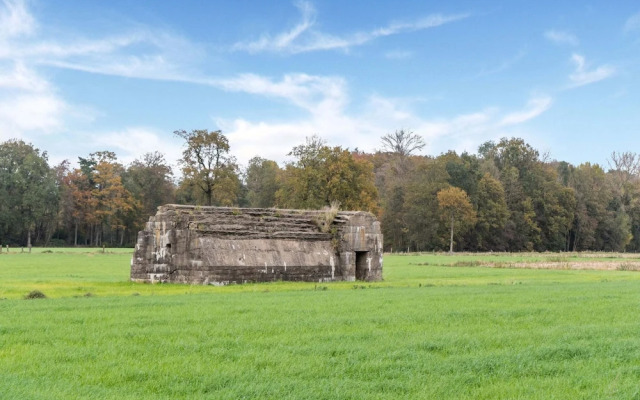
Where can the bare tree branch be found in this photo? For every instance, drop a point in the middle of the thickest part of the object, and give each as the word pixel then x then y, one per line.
pixel 403 142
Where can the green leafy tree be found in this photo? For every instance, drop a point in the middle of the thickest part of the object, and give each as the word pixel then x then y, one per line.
pixel 149 179
pixel 512 152
pixel 421 213
pixel 262 182
pixel 80 203
pixel 322 175
pixel 394 221
pixel 633 210
pixel 592 200
pixel 493 214
pixel 553 204
pixel 210 173
pixel 303 182
pixel 624 176
pixel 394 168
pixel 28 193
pixel 463 170
pixel 521 230
pixel 519 169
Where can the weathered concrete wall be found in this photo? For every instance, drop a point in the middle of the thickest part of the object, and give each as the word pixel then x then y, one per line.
pixel 218 245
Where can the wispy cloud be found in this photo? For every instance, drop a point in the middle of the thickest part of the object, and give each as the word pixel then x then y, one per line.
pixel 328 112
pixel 304 38
pixel 561 37
pixel 137 52
pixel 15 19
pixel 30 102
pixel 31 107
pixel 504 65
pixel 632 23
pixel 534 108
pixel 582 76
pixel 285 39
pixel 17 76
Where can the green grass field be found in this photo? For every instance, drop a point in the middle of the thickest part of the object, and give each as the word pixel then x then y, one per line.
pixel 434 328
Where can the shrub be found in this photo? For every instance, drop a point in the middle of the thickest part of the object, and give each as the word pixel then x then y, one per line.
pixel 35 294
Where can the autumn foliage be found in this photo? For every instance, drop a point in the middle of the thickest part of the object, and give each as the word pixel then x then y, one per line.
pixel 504 198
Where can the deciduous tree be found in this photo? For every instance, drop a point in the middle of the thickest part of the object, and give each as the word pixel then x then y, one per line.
pixel 262 182
pixel 113 200
pixel 208 167
pixel 149 179
pixel 492 214
pixel 402 142
pixel 28 192
pixel 456 209
pixel 322 175
pixel 421 214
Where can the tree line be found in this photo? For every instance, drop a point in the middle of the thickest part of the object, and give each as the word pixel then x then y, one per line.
pixel 506 197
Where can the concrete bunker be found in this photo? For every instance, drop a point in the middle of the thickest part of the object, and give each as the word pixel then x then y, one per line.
pixel 222 245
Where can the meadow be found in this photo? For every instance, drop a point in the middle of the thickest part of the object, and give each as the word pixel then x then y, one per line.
pixel 438 326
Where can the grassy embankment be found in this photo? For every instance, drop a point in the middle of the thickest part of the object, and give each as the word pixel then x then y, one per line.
pixel 430 330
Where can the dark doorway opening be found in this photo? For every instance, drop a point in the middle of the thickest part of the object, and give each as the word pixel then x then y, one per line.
pixel 361 265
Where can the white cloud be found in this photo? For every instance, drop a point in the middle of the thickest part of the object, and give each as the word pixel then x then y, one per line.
pixel 17 76
pixel 322 99
pixel 283 40
pixel 304 38
pixel 305 91
pixel 325 101
pixel 581 76
pixel 137 52
pixel 535 107
pixel 562 37
pixel 31 112
pixel 466 132
pixel 133 142
pixel 15 20
pixel 30 105
pixel 632 23
pixel 271 140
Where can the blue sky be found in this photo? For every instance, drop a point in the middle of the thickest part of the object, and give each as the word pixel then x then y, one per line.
pixel 84 76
